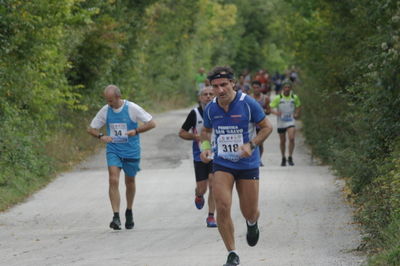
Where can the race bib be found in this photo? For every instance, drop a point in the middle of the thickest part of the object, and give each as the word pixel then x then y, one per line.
pixel 287 117
pixel 118 132
pixel 228 146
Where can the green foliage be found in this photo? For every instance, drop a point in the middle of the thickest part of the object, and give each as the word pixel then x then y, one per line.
pixel 348 52
pixel 57 56
pixel 21 162
pixel 257 44
pixel 380 210
pixel 198 37
pixel 32 58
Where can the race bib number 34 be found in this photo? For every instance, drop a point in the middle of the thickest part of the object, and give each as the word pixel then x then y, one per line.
pixel 118 132
pixel 228 146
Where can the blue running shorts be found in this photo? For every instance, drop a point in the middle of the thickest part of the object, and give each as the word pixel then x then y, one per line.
pixel 129 165
pixel 253 173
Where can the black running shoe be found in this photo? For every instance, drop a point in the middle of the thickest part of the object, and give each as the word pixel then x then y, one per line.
pixel 115 223
pixel 233 260
pixel 129 219
pixel 290 161
pixel 252 234
pixel 283 163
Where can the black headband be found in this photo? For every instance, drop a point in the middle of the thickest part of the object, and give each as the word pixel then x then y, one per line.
pixel 220 76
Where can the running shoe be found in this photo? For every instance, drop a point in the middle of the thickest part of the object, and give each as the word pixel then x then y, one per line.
pixel 211 221
pixel 252 234
pixel 129 219
pixel 283 163
pixel 233 260
pixel 290 161
pixel 115 223
pixel 199 202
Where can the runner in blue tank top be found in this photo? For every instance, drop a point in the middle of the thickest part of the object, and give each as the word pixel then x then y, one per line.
pixel 230 122
pixel 203 171
pixel 121 118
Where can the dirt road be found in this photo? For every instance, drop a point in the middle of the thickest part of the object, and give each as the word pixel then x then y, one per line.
pixel 304 218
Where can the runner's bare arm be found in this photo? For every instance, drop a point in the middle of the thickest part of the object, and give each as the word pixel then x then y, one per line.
pixel 267 107
pixel 265 130
pixel 142 128
pixel 93 131
pixel 297 113
pixel 275 112
pixel 205 135
pixel 188 136
pixel 96 133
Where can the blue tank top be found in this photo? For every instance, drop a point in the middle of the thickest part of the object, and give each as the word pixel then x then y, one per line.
pixel 117 125
pixel 232 129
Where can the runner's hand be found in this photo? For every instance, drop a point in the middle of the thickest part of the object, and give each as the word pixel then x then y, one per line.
pixel 245 150
pixel 106 139
pixel 131 133
pixel 196 138
pixel 205 156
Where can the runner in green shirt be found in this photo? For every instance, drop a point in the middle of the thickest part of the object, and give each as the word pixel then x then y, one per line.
pixel 286 107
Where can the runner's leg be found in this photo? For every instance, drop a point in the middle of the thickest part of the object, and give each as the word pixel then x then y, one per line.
pixel 282 137
pixel 113 191
pixel 291 136
pixel 222 186
pixel 201 187
pixel 211 202
pixel 130 191
pixel 248 197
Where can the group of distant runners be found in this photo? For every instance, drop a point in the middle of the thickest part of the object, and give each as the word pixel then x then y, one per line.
pixel 228 130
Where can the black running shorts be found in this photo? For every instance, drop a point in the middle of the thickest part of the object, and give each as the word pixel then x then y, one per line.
pixel 283 130
pixel 202 170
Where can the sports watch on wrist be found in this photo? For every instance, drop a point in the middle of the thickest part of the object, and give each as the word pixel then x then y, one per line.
pixel 100 135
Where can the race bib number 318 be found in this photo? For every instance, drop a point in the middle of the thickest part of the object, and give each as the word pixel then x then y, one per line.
pixel 228 146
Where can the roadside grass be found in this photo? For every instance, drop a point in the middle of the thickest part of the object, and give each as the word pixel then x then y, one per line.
pixel 389 247
pixel 61 153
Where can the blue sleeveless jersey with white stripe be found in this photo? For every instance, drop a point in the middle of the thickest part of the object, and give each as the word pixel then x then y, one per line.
pixel 232 129
pixel 130 148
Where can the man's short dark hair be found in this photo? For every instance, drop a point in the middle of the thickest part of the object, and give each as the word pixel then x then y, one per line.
pixel 256 82
pixel 221 72
pixel 287 83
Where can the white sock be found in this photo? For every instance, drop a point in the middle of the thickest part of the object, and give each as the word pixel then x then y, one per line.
pixel 250 223
pixel 232 251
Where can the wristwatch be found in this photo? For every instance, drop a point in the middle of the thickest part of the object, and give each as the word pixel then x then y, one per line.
pixel 100 135
pixel 252 145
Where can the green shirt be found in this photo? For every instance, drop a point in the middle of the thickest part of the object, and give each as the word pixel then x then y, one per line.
pixel 275 102
pixel 200 78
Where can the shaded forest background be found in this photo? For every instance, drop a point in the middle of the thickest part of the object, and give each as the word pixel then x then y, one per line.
pixel 57 56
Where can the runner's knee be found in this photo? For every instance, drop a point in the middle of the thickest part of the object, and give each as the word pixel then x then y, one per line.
pixel 113 181
pixel 129 181
pixel 223 207
pixel 251 214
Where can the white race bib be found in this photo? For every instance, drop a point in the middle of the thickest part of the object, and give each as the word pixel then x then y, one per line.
pixel 118 132
pixel 287 117
pixel 228 146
